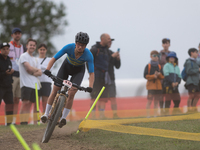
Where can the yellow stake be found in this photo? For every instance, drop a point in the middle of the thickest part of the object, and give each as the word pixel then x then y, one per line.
pixel 37 103
pixel 36 147
pixel 19 137
pixel 93 105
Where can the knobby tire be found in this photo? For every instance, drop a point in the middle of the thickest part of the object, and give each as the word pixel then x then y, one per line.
pixel 54 119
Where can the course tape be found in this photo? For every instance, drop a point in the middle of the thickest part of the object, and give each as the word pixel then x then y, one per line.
pixel 116 126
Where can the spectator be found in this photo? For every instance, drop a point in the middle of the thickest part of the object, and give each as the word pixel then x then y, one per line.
pixel 74 65
pixel 153 73
pixel 102 57
pixel 171 81
pixel 192 81
pixel 6 81
pixel 162 61
pixel 198 62
pixel 29 71
pixel 114 62
pixel 45 80
pixel 16 49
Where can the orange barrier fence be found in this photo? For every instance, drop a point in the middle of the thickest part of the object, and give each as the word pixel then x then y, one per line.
pixel 126 105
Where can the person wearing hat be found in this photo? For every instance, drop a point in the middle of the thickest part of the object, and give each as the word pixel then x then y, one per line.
pixel 6 81
pixel 172 78
pixel 102 57
pixel 16 49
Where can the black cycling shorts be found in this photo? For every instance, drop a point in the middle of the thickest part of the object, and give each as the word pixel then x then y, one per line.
pixel 76 72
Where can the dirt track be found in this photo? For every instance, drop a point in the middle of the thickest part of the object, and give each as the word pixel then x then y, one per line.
pixel 60 139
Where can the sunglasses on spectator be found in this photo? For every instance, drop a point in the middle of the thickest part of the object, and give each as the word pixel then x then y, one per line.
pixel 154 55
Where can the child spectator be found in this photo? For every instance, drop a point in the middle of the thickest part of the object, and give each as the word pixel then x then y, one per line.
pixel 192 81
pixel 171 81
pixel 16 49
pixel 6 81
pixel 162 61
pixel 153 73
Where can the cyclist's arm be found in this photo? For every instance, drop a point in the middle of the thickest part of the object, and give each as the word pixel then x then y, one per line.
pixel 91 79
pixel 50 64
pixel 90 62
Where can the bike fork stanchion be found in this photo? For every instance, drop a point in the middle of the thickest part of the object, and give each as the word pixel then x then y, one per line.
pixel 37 104
pixel 93 105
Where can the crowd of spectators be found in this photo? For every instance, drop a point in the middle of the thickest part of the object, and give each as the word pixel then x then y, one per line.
pixel 164 76
pixel 19 71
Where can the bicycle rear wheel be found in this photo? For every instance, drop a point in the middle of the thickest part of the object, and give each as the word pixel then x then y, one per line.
pixel 53 119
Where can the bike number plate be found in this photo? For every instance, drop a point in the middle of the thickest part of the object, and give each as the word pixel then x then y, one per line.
pixel 67 83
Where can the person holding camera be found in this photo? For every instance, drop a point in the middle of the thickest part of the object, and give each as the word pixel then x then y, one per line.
pixel 6 81
pixel 153 73
pixel 171 81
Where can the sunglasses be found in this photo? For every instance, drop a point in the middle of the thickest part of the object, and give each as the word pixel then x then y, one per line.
pixel 155 55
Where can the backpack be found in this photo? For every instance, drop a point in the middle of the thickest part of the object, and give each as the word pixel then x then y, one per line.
pixel 149 67
pixel 184 74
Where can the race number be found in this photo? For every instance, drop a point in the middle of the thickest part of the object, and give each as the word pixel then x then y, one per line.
pixel 67 83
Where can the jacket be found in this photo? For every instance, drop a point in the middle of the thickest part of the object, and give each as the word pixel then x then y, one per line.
pixel 192 71
pixel 114 62
pixel 152 83
pixel 171 74
pixel 162 58
pixel 5 80
pixel 101 59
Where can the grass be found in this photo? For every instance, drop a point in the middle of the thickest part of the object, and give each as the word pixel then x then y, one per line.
pixel 121 141
pixel 107 140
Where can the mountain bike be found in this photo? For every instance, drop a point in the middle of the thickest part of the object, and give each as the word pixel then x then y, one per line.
pixel 58 105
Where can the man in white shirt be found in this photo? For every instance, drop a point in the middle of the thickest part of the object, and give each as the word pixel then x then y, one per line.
pixel 29 69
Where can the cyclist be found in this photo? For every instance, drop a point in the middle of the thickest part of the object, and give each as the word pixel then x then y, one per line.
pixel 74 65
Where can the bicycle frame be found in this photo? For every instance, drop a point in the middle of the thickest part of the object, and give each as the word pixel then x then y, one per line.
pixel 64 91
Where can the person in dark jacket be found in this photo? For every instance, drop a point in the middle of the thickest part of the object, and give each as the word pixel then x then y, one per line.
pixel 192 81
pixel 153 73
pixel 6 81
pixel 102 57
pixel 114 62
pixel 171 81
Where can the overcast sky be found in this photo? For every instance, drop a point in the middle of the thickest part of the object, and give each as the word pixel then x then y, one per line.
pixel 137 26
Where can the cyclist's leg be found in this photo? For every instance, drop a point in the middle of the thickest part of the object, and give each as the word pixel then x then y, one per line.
pixel 77 74
pixel 50 102
pixel 62 73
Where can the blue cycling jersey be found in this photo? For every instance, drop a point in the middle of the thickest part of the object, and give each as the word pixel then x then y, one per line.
pixel 70 51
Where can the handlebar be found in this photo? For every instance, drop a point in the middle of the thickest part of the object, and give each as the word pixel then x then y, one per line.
pixel 57 79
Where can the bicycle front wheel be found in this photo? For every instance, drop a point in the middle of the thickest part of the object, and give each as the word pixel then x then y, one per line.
pixel 53 119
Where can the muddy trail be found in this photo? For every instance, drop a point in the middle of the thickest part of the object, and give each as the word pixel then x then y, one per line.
pixel 60 140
